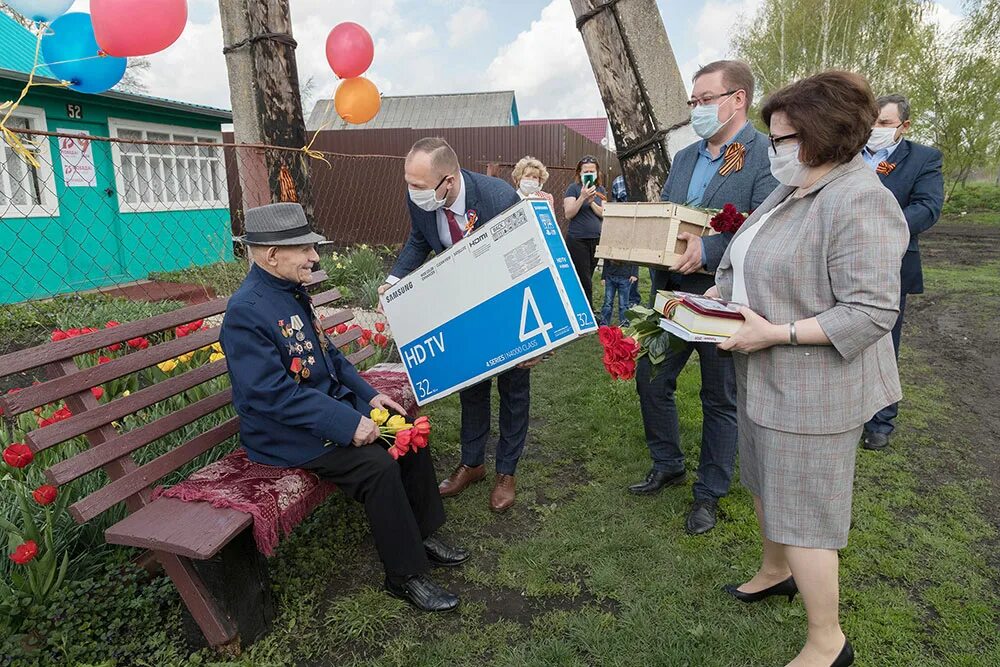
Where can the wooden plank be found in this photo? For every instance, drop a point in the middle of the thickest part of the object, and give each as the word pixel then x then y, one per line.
pixel 346 338
pixel 144 476
pixel 361 355
pixel 99 455
pixel 316 278
pixel 217 626
pixel 106 413
pixel 337 318
pixel 191 529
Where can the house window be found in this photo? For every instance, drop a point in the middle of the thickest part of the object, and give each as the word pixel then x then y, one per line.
pixel 152 177
pixel 27 191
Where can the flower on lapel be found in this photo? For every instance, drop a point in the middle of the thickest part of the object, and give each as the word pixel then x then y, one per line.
pixel 733 159
pixel 471 218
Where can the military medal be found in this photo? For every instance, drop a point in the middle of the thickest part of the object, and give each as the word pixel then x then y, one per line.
pixel 306 373
pixel 285 331
pixel 300 336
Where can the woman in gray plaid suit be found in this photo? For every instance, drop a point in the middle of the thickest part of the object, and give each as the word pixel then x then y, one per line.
pixel 818 266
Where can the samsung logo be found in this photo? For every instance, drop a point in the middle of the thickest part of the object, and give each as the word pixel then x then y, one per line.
pixel 397 292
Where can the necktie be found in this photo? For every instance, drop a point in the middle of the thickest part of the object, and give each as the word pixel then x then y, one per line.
pixel 456 231
pixel 885 168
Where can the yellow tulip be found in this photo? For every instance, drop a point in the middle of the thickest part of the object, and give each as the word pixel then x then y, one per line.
pixel 397 423
pixel 216 356
pixel 126 392
pixel 379 416
pixel 167 366
pixel 184 358
pixel 217 347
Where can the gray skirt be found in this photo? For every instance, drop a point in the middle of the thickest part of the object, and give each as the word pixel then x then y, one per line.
pixel 805 482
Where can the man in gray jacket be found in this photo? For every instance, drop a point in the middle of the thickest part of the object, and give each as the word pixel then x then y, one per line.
pixel 729 165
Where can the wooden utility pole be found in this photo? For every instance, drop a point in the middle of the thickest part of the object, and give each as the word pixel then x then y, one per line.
pixel 267 108
pixel 640 84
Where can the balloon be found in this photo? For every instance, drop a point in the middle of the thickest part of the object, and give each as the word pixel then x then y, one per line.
pixel 357 100
pixel 43 11
pixel 349 50
pixel 71 38
pixel 137 27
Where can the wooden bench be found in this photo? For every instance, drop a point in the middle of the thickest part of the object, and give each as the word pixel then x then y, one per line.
pixel 179 534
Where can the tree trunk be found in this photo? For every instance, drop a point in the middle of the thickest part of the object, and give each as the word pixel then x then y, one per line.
pixel 641 86
pixel 267 108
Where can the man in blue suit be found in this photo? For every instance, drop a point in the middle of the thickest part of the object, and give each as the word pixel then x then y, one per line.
pixel 302 404
pixel 446 203
pixel 729 165
pixel 912 172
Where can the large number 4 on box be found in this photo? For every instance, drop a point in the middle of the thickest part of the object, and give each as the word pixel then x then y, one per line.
pixel 646 232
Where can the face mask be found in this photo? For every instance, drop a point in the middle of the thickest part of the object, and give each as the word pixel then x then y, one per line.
pixel 705 120
pixel 426 199
pixel 881 137
pixel 529 186
pixel 785 165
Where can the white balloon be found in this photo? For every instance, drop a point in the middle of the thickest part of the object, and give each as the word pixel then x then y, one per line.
pixel 43 11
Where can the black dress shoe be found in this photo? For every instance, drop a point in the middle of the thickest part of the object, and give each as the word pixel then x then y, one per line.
pixel 442 555
pixel 655 481
pixel 701 518
pixel 423 594
pixel 846 656
pixel 786 587
pixel 875 441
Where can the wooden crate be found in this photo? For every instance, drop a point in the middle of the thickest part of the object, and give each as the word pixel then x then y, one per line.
pixel 646 232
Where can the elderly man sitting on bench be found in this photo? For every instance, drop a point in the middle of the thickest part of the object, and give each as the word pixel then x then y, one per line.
pixel 302 404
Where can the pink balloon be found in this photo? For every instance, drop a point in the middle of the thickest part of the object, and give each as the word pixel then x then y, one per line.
pixel 349 50
pixel 137 27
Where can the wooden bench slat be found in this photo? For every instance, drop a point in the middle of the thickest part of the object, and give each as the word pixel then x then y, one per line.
pixel 91 459
pixel 362 354
pixel 106 413
pixel 192 529
pixel 41 355
pixel 316 278
pixel 346 337
pixel 108 496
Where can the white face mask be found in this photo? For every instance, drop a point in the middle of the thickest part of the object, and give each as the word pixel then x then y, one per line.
pixel 705 119
pixel 881 137
pixel 427 199
pixel 529 186
pixel 785 165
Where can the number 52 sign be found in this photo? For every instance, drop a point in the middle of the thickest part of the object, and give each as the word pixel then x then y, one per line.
pixel 505 294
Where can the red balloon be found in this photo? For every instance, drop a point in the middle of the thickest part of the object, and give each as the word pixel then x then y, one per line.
pixel 137 27
pixel 349 50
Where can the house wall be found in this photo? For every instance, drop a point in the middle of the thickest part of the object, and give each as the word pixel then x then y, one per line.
pixel 94 240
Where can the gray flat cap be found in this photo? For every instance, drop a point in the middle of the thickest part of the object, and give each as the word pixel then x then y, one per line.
pixel 278 224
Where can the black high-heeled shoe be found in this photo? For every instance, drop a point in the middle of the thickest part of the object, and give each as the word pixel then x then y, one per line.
pixel 786 587
pixel 846 656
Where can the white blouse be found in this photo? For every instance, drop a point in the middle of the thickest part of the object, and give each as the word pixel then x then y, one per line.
pixel 738 255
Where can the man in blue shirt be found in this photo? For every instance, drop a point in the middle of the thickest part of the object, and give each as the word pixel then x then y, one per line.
pixel 728 166
pixel 912 173
pixel 302 404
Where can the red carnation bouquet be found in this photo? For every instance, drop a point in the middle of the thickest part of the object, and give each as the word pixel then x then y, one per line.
pixel 642 337
pixel 729 219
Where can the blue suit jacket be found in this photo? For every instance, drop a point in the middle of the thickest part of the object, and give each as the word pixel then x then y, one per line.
pixel 918 185
pixel 485 195
pixel 286 417
pixel 745 189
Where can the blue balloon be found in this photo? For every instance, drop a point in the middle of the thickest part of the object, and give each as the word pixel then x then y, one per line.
pixel 43 11
pixel 69 50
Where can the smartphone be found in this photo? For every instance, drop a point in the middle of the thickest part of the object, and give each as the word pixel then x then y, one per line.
pixel 588 179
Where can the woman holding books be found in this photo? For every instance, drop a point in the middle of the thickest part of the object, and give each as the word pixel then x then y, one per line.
pixel 818 265
pixel 584 207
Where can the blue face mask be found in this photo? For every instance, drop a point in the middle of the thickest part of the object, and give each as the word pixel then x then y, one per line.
pixel 705 119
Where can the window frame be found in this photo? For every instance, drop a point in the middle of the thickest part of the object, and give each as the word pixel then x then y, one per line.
pixel 48 193
pixel 143 205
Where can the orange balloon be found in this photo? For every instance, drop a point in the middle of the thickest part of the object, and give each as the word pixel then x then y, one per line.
pixel 357 100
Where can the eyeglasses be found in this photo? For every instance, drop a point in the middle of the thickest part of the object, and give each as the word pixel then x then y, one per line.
pixel 777 140
pixel 588 159
pixel 708 99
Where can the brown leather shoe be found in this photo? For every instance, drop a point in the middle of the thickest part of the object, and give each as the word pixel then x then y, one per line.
pixel 503 493
pixel 460 479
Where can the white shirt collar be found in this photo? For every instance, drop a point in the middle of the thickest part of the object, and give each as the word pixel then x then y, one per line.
pixel 458 206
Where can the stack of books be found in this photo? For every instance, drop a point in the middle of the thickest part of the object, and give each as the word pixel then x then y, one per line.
pixel 697 318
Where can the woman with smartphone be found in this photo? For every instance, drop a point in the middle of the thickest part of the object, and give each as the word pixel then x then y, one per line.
pixel 584 207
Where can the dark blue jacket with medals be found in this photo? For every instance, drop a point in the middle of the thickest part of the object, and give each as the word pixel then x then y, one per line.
pixel 292 393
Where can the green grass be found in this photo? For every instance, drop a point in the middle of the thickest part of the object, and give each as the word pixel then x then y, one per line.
pixel 223 277
pixel 581 573
pixel 973 197
pixel 977 280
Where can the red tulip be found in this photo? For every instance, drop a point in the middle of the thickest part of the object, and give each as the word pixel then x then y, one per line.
pixel 393 452
pixel 139 343
pixel 403 439
pixel 419 441
pixel 24 553
pixel 59 334
pixel 17 455
pixel 341 329
pixel 422 425
pixel 194 326
pixel 98 392
pixel 366 333
pixel 181 331
pixel 103 360
pixel 45 494
pixel 381 340
pixel 111 323
pixel 115 347
pixel 72 333
pixel 380 327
